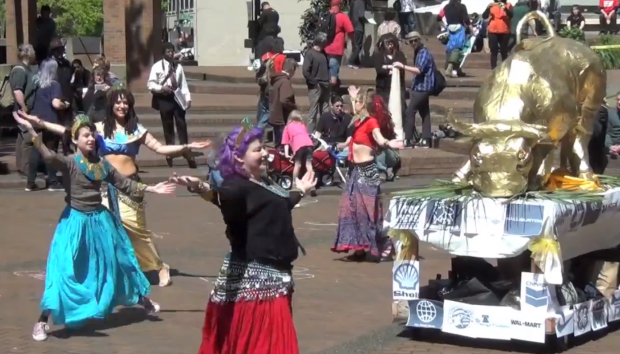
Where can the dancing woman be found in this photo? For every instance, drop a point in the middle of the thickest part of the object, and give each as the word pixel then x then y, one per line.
pixel 249 311
pixel 91 266
pixel 119 140
pixel 360 215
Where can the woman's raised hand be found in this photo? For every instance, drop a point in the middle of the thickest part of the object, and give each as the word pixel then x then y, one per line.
pixel 198 145
pixel 33 120
pixel 353 91
pixel 193 183
pixel 162 188
pixel 306 183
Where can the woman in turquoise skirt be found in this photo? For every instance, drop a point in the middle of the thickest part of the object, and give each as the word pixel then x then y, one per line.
pixel 91 266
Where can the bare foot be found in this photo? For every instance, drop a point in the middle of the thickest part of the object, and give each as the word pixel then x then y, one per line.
pixel 164 276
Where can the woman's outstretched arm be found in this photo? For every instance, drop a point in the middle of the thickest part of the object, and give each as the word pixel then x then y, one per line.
pixel 39 123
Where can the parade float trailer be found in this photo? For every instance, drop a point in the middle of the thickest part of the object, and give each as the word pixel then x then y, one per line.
pixel 551 230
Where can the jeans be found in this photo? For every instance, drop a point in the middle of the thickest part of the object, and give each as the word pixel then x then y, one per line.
pixel 498 42
pixel 277 134
pixel 262 110
pixel 51 141
pixel 319 103
pixel 420 102
pixel 174 115
pixel 388 158
pixel 358 43
pixel 407 22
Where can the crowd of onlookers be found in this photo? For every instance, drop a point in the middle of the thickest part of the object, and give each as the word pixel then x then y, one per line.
pixel 322 60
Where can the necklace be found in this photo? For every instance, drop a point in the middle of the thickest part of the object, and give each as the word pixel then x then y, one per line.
pixel 272 187
pixel 94 171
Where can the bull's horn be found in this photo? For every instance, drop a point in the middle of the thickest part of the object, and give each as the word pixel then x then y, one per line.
pixel 533 131
pixel 469 129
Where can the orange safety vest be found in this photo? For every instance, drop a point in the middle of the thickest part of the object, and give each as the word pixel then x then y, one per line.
pixel 499 21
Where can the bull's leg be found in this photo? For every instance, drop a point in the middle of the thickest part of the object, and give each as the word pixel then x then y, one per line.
pixel 541 167
pixel 462 174
pixel 579 159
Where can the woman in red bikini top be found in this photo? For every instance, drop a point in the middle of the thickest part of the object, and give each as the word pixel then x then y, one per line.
pixel 360 216
pixel 373 126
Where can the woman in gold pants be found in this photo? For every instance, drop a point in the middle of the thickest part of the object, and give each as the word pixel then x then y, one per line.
pixel 120 138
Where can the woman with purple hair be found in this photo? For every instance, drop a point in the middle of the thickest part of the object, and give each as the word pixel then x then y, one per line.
pixel 249 310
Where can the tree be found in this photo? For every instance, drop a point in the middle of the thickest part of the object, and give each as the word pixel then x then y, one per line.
pixel 310 18
pixel 76 17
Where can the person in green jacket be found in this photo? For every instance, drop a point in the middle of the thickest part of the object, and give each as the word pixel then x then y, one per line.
pixel 518 12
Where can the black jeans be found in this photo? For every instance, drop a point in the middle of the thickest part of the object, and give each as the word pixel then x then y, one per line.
pixel 51 141
pixel 420 102
pixel 277 134
pixel 498 43
pixel 608 27
pixel 172 114
pixel 358 44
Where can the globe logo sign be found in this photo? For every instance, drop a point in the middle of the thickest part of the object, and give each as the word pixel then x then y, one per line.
pixel 426 311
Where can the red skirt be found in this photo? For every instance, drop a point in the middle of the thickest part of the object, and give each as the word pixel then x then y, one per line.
pixel 250 327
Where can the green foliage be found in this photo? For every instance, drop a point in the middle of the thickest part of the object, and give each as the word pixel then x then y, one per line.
pixel 610 57
pixel 76 17
pixel 164 5
pixel 310 17
pixel 573 33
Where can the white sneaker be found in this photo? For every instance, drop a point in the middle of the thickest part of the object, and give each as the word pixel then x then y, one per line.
pixel 39 332
pixel 297 206
pixel 151 306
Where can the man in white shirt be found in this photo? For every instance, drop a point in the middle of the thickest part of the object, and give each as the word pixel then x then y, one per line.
pixel 406 17
pixel 171 98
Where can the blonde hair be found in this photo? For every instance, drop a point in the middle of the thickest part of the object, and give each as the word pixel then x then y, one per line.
pixel 295 116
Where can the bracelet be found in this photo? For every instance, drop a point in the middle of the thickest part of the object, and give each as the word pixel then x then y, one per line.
pixel 36 141
pixel 299 191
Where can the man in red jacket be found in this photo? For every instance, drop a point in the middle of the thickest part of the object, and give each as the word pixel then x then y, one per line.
pixel 608 16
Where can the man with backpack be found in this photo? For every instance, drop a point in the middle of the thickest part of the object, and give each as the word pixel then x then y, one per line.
pixel 23 90
pixel 337 26
pixel 358 19
pixel 426 82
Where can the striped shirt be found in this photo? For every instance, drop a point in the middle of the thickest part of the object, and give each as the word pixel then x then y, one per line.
pixel 425 81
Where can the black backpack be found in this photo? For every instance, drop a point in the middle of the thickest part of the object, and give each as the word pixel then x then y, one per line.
pixel 327 25
pixel 440 83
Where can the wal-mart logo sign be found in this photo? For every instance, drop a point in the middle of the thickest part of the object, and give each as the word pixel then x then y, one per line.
pixel 535 296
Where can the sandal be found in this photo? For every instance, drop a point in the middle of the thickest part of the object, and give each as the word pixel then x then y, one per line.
pixel 164 276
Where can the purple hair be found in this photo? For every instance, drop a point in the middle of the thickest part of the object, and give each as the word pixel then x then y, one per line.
pixel 228 166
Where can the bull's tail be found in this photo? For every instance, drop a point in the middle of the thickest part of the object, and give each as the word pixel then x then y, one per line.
pixel 535 15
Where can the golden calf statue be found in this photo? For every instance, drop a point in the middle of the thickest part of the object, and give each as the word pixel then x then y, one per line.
pixel 545 94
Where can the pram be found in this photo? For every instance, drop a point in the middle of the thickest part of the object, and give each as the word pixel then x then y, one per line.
pixel 325 164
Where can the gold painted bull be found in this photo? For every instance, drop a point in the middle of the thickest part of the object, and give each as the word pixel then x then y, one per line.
pixel 545 94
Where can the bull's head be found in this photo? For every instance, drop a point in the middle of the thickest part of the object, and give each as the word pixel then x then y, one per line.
pixel 501 155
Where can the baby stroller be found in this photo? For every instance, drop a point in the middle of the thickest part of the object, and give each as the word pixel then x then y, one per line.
pixel 280 169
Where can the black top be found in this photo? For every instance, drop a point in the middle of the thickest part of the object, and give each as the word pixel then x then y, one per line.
pixel 65 71
pixel 316 68
pixel 383 80
pixel 456 14
pixel 333 128
pixel 259 223
pixel 95 101
pixel 575 20
pixel 268 19
pixel 80 80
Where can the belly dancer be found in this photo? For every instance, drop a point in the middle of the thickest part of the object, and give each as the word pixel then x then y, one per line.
pixel 91 266
pixel 360 215
pixel 250 311
pixel 121 137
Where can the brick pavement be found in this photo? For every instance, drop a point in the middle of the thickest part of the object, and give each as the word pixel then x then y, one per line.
pixel 338 307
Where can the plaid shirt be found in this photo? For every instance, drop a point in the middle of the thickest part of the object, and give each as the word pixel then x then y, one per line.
pixel 425 81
